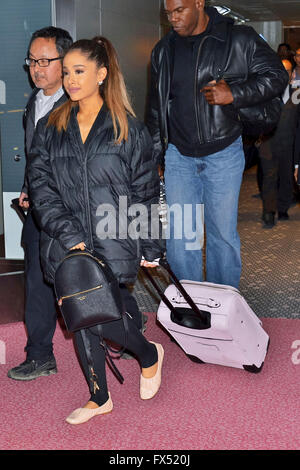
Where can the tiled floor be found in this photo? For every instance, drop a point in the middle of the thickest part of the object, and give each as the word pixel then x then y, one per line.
pixel 270 279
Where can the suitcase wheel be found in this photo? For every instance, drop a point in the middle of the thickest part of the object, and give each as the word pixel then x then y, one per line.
pixel 195 359
pixel 253 369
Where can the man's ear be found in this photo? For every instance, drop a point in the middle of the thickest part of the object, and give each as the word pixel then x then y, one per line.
pixel 200 4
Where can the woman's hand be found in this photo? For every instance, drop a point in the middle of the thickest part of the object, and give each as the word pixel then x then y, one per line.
pixel 79 246
pixel 149 264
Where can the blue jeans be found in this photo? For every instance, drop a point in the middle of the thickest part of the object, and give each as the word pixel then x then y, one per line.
pixel 210 186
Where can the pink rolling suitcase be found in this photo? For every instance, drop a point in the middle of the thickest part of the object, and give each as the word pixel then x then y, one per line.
pixel 212 323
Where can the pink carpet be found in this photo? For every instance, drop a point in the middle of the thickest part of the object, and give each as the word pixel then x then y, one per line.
pixel 198 406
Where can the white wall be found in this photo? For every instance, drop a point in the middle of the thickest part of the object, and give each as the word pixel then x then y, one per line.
pixel 133 26
pixel 271 30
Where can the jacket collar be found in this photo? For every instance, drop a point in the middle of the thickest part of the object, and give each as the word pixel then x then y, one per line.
pixel 31 100
pixel 103 121
pixel 61 100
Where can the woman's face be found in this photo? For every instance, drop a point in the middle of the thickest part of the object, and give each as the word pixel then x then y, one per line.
pixel 81 76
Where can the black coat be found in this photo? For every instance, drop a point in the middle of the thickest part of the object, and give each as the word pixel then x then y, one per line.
pixel 31 231
pixel 29 127
pixel 253 71
pixel 73 185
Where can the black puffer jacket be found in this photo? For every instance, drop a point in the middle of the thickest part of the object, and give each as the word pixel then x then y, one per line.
pixel 72 187
pixel 253 71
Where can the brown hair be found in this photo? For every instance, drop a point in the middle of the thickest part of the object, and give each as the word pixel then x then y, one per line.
pixel 113 90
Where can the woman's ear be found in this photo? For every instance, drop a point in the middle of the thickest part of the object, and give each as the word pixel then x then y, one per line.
pixel 102 74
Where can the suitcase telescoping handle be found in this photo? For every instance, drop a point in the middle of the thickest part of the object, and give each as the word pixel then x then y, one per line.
pixel 163 297
pixel 163 262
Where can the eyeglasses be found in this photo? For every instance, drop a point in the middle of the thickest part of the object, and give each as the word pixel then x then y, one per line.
pixel 41 62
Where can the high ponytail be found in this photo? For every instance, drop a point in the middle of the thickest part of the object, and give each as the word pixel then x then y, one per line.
pixel 113 90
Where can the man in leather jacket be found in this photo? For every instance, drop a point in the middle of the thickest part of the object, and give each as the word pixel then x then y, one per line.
pixel 193 119
pixel 46 48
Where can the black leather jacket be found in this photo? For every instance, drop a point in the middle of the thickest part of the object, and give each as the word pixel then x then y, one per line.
pixel 253 71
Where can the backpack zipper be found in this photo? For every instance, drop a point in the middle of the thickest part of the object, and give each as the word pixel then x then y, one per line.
pixel 80 293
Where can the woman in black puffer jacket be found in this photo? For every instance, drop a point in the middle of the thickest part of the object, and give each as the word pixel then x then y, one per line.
pixel 93 182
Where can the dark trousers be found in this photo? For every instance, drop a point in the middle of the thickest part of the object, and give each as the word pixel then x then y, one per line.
pixel 285 179
pixel 276 180
pixel 145 352
pixel 268 176
pixel 40 308
pixel 131 306
pixel 276 162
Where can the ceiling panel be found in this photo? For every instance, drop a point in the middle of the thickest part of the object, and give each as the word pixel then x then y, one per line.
pixel 287 11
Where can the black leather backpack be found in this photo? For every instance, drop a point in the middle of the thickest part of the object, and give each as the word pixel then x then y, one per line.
pixel 88 295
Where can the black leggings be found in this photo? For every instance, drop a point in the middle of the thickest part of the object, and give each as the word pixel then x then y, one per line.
pixel 145 352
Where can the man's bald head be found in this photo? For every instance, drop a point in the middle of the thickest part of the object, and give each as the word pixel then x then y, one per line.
pixel 187 16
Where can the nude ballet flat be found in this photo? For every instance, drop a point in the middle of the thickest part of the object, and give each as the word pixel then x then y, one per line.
pixel 82 415
pixel 149 387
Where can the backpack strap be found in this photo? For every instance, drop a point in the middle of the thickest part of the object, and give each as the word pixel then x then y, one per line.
pixel 108 349
pixel 93 385
pixel 93 378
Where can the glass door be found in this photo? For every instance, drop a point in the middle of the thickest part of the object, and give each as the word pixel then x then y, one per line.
pixel 18 20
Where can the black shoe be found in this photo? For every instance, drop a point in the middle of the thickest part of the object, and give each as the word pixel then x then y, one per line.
pixel 268 219
pixel 283 215
pixel 32 369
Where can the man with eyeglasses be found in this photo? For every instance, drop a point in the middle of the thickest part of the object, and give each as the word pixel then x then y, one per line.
pixel 46 49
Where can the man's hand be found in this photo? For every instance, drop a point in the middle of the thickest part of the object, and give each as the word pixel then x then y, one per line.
pixel 22 202
pixel 296 174
pixel 217 93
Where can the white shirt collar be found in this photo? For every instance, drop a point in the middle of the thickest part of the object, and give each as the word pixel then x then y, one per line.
pixel 44 103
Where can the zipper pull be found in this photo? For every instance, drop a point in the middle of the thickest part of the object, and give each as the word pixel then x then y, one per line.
pixel 94 380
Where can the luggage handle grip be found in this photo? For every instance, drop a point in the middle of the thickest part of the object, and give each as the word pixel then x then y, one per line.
pixel 163 262
pixel 211 303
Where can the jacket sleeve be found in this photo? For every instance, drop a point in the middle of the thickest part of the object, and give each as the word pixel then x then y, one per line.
pixel 267 78
pixel 29 129
pixel 25 187
pixel 25 182
pixel 50 212
pixel 145 195
pixel 152 113
pixel 297 140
